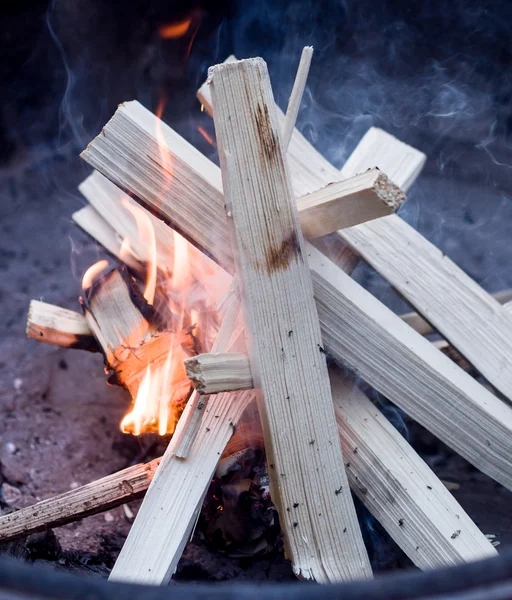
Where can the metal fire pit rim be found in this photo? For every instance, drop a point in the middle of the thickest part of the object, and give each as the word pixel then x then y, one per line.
pixel 489 579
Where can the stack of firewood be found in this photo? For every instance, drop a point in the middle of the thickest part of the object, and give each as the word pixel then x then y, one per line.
pixel 264 216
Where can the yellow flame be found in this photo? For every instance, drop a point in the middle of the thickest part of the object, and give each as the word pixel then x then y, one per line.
pixel 92 272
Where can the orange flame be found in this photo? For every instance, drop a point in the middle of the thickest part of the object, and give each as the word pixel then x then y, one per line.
pixel 92 272
pixel 175 30
pixel 183 292
pixel 206 136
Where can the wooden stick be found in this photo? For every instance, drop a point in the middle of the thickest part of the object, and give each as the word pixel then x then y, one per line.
pixel 216 372
pixel 417 510
pixel 127 331
pixel 428 372
pixel 310 170
pixel 155 544
pixel 467 316
pixel 401 163
pixel 399 489
pixel 417 322
pixel 98 496
pixel 296 97
pixel 269 253
pixel 59 326
pixel 408 369
pixel 359 199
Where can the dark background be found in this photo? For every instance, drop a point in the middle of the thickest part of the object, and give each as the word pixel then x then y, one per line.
pixel 436 74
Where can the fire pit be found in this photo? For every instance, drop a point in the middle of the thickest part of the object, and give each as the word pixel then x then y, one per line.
pixel 190 344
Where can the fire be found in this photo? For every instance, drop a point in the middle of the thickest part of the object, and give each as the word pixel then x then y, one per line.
pixel 183 286
pixel 175 30
pixel 92 272
pixel 207 136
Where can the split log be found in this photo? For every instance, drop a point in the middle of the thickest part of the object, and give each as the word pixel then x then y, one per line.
pixel 176 494
pixel 419 377
pixel 98 496
pixel 285 342
pixel 399 489
pixel 465 315
pixel 147 179
pixel 417 322
pixel 401 163
pixel 52 324
pixel 230 330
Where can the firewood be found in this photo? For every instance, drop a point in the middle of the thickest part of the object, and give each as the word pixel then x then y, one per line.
pixel 399 489
pixel 289 368
pixel 430 379
pixel 467 316
pixel 93 224
pixel 362 198
pixel 296 96
pixel 417 322
pixel 310 170
pixel 98 496
pixel 409 370
pixel 228 335
pixel 368 196
pixel 216 372
pixel 59 326
pixel 401 163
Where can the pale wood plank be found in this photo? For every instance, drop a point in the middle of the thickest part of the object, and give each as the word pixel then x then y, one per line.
pixel 387 475
pixel 467 316
pixel 277 298
pixel 417 322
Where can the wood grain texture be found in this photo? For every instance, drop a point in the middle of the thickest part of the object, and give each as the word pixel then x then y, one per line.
pixel 417 322
pixel 322 536
pixel 405 367
pixel 385 472
pixel 467 316
pixel 399 489
pixel 401 163
pixel 356 200
pixel 52 324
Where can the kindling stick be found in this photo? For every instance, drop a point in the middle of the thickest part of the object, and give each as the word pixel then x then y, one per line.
pixel 269 254
pixel 296 97
pixel 52 324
